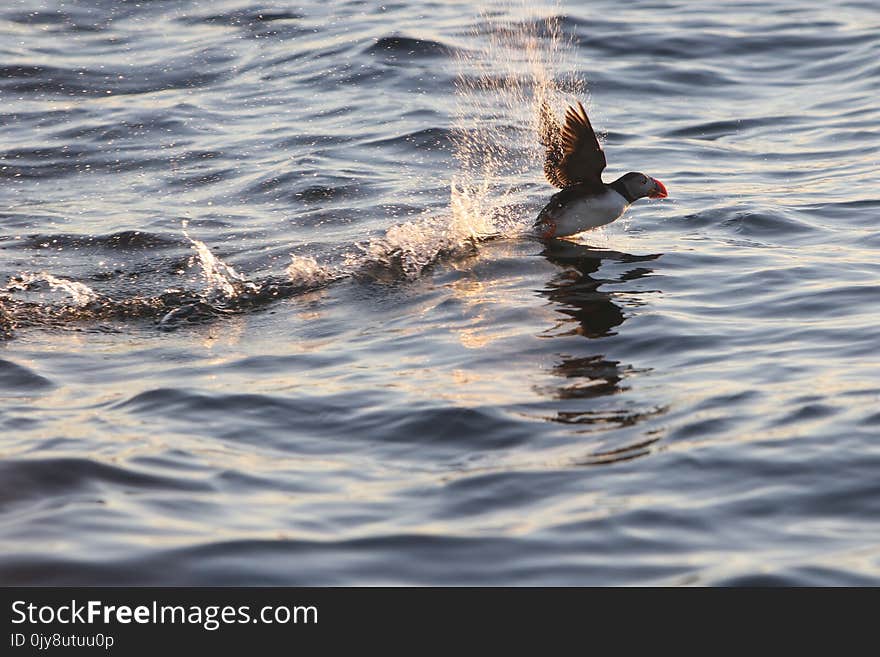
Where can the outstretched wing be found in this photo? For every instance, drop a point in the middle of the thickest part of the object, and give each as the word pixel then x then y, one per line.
pixel 551 138
pixel 573 152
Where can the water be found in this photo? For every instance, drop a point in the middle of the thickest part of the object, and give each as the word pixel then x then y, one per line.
pixel 270 314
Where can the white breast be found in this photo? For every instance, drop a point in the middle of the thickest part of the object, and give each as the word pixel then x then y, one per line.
pixel 588 212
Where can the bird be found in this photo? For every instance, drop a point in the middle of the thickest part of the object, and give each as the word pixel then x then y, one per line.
pixel 574 162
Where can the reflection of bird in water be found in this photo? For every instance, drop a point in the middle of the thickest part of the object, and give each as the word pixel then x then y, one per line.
pixel 578 292
pixel 589 378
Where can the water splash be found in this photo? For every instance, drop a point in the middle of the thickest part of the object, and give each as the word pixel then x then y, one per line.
pixel 405 250
pixel 307 272
pixel 511 69
pixel 501 86
pixel 71 292
pixel 223 281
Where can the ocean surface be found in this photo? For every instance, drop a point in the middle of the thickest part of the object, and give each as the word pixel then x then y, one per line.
pixel 271 314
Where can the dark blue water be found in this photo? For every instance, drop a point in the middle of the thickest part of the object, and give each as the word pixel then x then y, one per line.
pixel 270 314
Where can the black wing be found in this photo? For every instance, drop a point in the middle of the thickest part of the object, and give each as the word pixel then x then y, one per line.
pixel 573 152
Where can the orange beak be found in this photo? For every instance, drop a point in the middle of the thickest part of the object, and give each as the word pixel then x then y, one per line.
pixel 659 190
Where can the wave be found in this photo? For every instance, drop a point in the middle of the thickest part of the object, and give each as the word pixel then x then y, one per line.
pixel 403 47
pixel 14 377
pixel 42 164
pixel 125 240
pixel 254 23
pixel 198 70
pixel 41 299
pixel 32 480
pixel 420 140
pixel 717 129
pixel 242 17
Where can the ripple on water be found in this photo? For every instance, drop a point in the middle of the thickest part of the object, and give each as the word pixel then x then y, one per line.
pixel 36 480
pixel 44 79
pixel 16 378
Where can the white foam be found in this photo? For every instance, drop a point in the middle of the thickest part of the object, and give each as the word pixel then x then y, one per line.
pixel 79 294
pixel 306 271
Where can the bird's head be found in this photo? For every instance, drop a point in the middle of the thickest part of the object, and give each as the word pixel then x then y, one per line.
pixel 639 185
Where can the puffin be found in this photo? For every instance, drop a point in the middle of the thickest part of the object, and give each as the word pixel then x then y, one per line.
pixel 574 162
